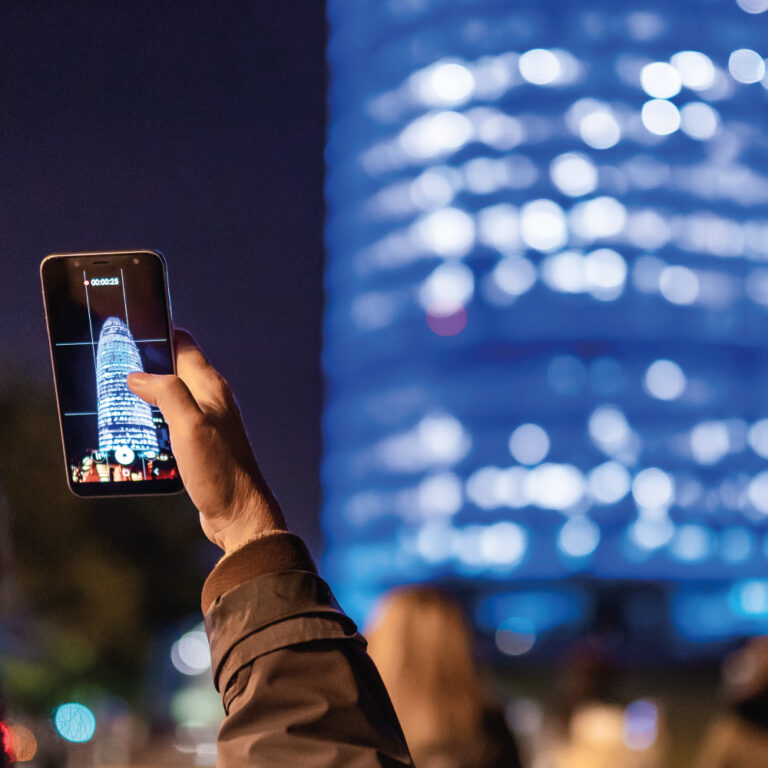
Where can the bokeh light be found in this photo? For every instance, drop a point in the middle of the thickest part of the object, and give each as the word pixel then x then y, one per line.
pixel 75 722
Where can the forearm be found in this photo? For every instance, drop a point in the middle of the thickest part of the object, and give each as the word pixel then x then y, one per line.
pixel 297 684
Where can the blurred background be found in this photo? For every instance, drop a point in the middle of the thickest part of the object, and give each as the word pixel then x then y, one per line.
pixel 495 317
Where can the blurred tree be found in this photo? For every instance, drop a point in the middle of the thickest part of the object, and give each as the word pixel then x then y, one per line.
pixel 90 581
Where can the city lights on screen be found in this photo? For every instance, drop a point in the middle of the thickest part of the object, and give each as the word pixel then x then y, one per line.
pixel 546 336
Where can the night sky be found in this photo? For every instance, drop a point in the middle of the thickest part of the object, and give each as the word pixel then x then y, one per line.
pixel 196 129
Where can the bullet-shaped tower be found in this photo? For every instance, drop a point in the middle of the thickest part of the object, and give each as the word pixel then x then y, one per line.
pixel 125 421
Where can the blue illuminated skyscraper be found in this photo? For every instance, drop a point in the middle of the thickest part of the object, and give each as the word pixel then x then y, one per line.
pixel 124 420
pixel 547 320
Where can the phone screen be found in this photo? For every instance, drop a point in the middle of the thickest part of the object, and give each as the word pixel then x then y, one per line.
pixel 108 316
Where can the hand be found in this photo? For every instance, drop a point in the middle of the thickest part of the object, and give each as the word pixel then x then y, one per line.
pixel 214 457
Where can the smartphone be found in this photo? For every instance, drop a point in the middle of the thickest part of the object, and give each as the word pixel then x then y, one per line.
pixel 109 315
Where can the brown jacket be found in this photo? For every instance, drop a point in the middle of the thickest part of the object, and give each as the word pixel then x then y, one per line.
pixel 299 689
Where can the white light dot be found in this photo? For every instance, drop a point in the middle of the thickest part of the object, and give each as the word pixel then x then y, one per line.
pixel 664 380
pixel 609 482
pixel 710 442
pixel 757 492
pixel 448 232
pixel 444 84
pixel 579 537
pixel 555 486
pixel 433 188
pixel 539 66
pixel 514 275
pixel 500 131
pixel 482 487
pixel 529 444
pixel 564 272
pixel 651 533
pixel 696 70
pixel 599 129
pixel 699 121
pixel 498 226
pixel 440 494
pixel 447 289
pixel 605 273
pixel 190 653
pixel 660 117
pixel 503 544
pixel 608 428
pixel 753 6
pixel 679 285
pixel 652 488
pixel 574 174
pixel 691 543
pixel 660 80
pixel 443 438
pixel 543 225
pixel 602 217
pixel 746 66
pixel 435 134
pixel 516 636
pixel 736 544
pixel 757 437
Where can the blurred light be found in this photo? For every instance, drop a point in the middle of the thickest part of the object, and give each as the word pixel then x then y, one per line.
pixel 447 231
pixel 660 80
pixel 599 129
pixel 574 174
pixel 190 654
pixel 691 543
pixel 608 428
pixel 699 121
pixel 503 544
pixel 599 218
pixel 757 437
pixel 696 70
pixel 435 134
pixel 606 376
pixel 443 437
pixel 542 225
pixel 651 533
pixel 664 380
pixel 6 742
pixel 646 274
pixel 498 130
pixel 515 636
pixel 539 66
pixel 757 492
pixel 653 488
pixel 555 486
pixel 434 542
pixel 710 442
pixel 482 487
pixel 749 598
pixel 444 84
pixel 753 6
pixel 641 725
pixel 609 482
pixel 660 117
pixel 566 375
pixel 447 325
pixel 75 722
pixel 746 66
pixel 564 272
pixel 736 544
pixel 499 228
pixel 579 537
pixel 514 275
pixel 19 741
pixel 645 25
pixel 605 272
pixel 447 289
pixel 679 285
pixel 440 494
pixel 529 444
pixel 433 188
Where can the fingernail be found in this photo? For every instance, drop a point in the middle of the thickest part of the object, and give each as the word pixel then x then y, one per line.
pixel 138 379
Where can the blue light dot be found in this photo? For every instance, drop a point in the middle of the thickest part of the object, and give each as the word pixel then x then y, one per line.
pixel 75 722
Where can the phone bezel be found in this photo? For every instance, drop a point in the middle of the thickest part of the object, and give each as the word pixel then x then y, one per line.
pixel 104 490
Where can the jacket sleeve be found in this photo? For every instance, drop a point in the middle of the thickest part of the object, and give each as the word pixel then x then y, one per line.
pixel 297 685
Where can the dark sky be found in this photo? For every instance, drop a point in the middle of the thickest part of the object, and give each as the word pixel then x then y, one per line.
pixel 197 129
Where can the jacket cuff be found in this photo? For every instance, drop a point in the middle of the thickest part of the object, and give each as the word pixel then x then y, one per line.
pixel 270 552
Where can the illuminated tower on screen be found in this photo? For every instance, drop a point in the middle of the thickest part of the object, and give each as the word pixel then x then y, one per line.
pixel 124 420
pixel 546 337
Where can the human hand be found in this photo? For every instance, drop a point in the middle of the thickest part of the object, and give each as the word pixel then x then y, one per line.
pixel 211 447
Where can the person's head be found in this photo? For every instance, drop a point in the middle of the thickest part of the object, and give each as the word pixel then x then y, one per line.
pixel 421 642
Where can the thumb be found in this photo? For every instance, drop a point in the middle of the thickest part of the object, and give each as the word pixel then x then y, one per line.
pixel 169 393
